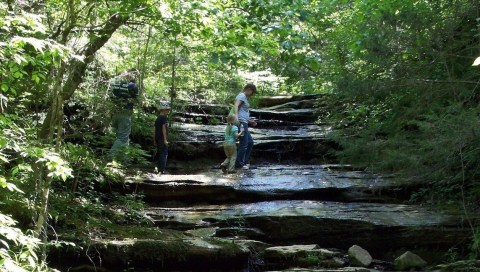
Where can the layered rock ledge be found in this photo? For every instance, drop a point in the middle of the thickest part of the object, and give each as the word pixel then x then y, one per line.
pixel 380 228
pixel 272 182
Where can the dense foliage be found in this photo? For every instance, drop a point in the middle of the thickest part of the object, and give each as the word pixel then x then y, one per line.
pixel 397 76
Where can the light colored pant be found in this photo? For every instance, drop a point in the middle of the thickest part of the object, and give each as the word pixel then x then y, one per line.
pixel 231 153
pixel 122 124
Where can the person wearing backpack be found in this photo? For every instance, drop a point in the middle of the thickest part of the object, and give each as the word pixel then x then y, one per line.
pixel 124 92
pixel 230 145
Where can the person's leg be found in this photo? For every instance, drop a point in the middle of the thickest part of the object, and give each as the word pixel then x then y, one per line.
pixel 248 149
pixel 162 151
pixel 243 145
pixel 113 149
pixel 226 151
pixel 122 123
pixel 233 158
pixel 226 162
pixel 231 152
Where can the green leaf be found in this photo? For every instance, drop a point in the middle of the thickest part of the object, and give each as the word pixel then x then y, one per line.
pixel 4 87
pixel 3 182
pixel 36 78
pixel 18 75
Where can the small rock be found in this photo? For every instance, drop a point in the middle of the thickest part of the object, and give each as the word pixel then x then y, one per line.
pixel 409 260
pixel 359 256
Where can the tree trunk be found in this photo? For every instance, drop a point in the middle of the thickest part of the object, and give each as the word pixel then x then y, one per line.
pixel 144 63
pixel 172 88
pixel 75 70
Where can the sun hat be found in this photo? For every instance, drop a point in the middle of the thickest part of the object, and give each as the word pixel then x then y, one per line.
pixel 164 105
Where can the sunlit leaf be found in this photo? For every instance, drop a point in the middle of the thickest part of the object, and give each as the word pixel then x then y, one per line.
pixel 5 244
pixel 13 188
pixel 3 182
pixel 12 266
pixel 476 62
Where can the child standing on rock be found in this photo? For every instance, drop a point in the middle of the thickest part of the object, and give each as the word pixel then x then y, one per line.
pixel 160 138
pixel 229 145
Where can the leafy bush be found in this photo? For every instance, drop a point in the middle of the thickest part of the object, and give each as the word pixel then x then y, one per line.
pixel 18 250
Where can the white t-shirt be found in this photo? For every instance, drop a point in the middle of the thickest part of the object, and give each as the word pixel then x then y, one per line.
pixel 244 108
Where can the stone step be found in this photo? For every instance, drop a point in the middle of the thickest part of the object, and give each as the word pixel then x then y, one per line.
pixel 269 101
pixel 292 115
pixel 215 133
pixel 300 104
pixel 270 182
pixel 284 110
pixel 279 144
pixel 382 229
pixel 264 117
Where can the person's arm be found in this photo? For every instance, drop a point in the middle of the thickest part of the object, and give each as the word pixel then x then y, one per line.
pixel 237 135
pixel 236 106
pixel 164 131
pixel 155 134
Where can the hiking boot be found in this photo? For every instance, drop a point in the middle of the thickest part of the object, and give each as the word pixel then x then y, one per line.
pixel 246 167
pixel 232 172
pixel 224 168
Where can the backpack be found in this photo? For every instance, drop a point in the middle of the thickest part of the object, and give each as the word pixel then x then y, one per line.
pixel 121 88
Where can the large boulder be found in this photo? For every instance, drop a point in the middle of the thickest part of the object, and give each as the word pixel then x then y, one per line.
pixel 171 254
pixel 359 256
pixel 409 260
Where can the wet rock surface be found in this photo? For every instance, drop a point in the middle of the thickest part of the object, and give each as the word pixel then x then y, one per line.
pixel 270 182
pixel 285 204
pixel 283 131
pixel 277 145
pixel 377 227
pixel 294 210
